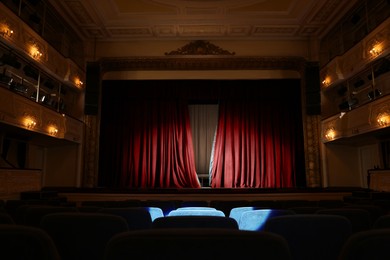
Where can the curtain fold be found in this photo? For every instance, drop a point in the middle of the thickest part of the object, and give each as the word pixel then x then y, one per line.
pixel 152 141
pixel 258 139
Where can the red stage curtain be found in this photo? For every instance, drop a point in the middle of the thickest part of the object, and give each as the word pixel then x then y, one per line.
pixel 258 138
pixel 150 141
pixel 146 142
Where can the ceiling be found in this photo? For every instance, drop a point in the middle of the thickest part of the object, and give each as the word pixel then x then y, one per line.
pixel 118 20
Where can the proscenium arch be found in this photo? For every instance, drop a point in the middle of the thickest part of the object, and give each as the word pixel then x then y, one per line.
pixel 220 67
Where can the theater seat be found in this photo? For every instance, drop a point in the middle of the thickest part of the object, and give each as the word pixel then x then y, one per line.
pixel 33 214
pixel 360 219
pixel 82 235
pixel 155 212
pixel 382 222
pixel 6 218
pixel 254 220
pixel 195 222
pixel 136 217
pixel 195 244
pixel 197 212
pixel 27 243
pixel 236 212
pixel 369 244
pixel 312 236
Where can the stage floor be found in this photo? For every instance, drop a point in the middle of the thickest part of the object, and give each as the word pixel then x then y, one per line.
pixel 78 195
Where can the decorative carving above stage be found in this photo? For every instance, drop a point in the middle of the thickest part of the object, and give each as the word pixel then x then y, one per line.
pixel 200 48
pixel 202 62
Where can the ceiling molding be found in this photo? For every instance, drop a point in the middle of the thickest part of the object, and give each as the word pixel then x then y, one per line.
pixel 123 20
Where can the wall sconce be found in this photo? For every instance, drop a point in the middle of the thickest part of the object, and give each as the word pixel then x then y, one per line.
pixel 30 122
pixel 383 119
pixel 326 81
pixel 78 82
pixel 330 134
pixel 376 49
pixel 5 30
pixel 35 51
pixel 52 130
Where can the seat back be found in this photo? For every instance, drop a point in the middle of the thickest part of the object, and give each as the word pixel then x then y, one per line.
pixel 312 236
pixel 195 244
pixel 195 222
pixel 369 244
pixel 236 212
pixel 360 219
pixel 254 220
pixel 6 218
pixel 33 214
pixel 195 212
pixel 24 242
pixel 382 222
pixel 82 235
pixel 155 212
pixel 136 217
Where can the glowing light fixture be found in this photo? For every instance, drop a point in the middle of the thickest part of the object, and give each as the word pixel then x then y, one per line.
pixel 326 82
pixel 383 119
pixel 30 122
pixel 52 130
pixel 330 134
pixel 78 82
pixel 376 50
pixel 5 30
pixel 35 51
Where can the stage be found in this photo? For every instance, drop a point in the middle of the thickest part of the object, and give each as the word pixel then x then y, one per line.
pixel 78 195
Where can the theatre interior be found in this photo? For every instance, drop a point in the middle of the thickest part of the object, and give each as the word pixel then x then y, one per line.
pixel 204 107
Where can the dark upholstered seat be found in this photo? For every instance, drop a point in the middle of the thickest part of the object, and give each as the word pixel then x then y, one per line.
pixel 82 235
pixel 195 244
pixel 27 243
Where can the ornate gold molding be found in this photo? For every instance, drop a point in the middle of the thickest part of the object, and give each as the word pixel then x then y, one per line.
pixel 202 63
pixel 200 47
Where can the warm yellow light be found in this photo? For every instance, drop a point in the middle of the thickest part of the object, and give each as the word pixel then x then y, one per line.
pixel 326 81
pixel 30 122
pixel 383 119
pixel 52 130
pixel 78 82
pixel 35 52
pixel 376 49
pixel 330 134
pixel 5 30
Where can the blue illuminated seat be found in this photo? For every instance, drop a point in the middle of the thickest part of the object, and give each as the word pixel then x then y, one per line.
pixel 196 208
pixel 236 212
pixel 165 205
pixel 195 212
pixel 226 205
pixel 254 220
pixel 155 212
pixel 195 244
